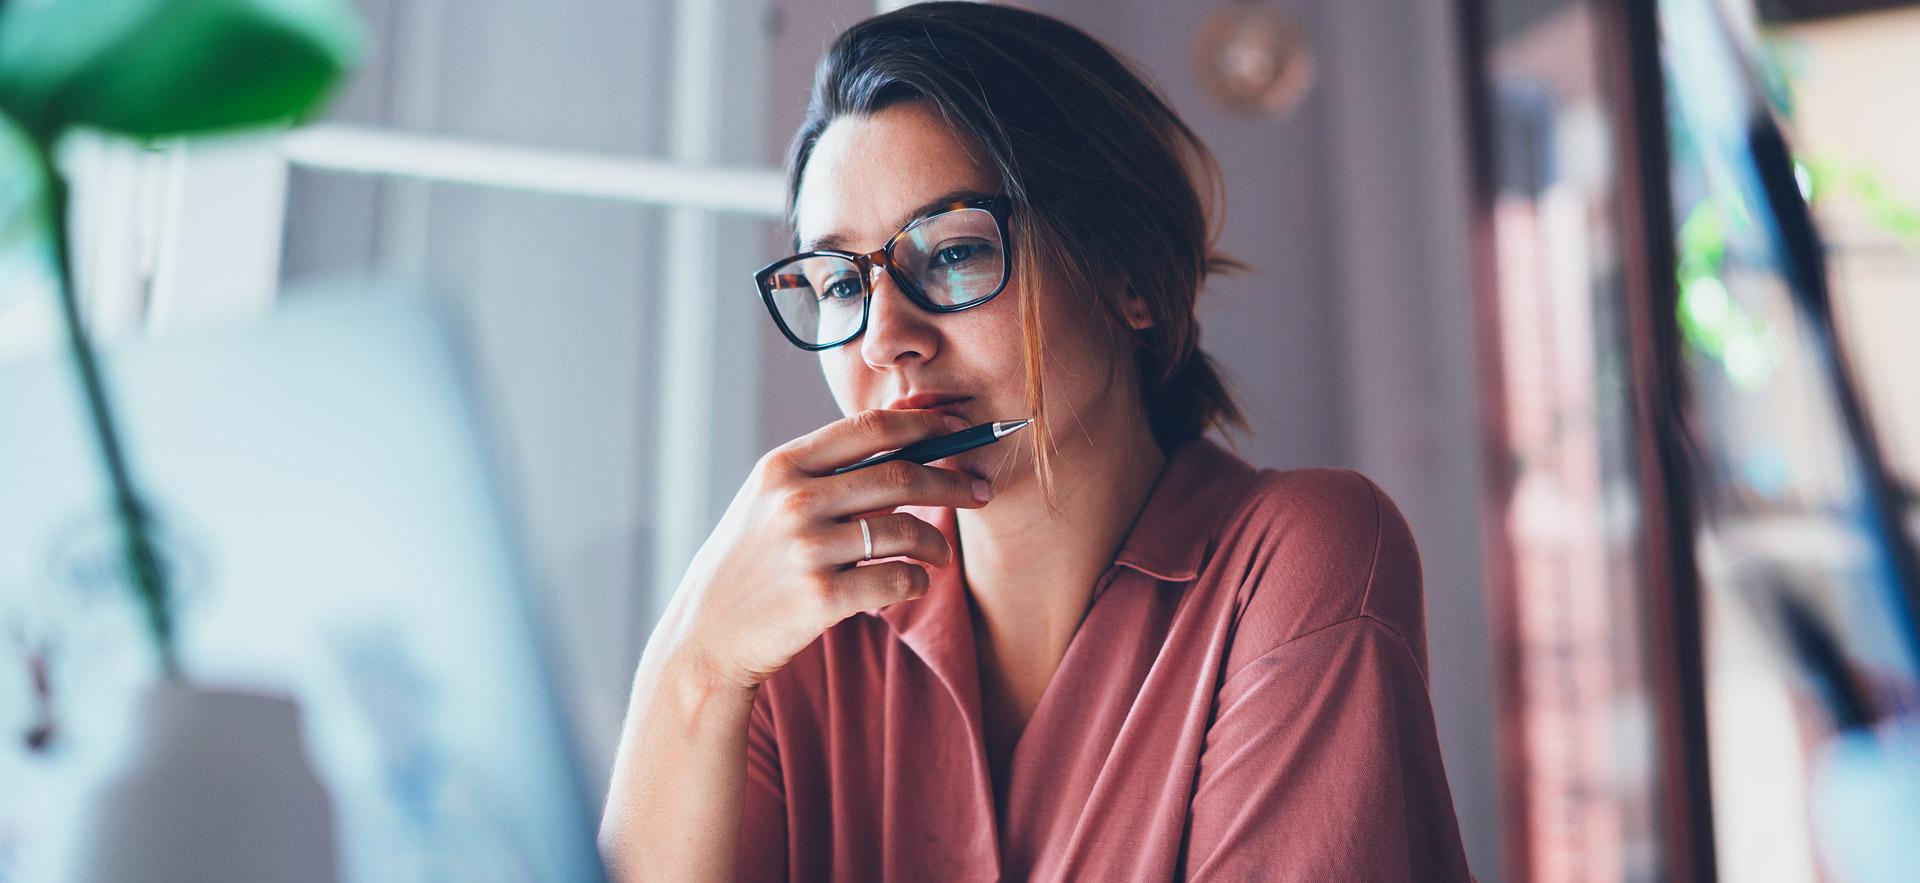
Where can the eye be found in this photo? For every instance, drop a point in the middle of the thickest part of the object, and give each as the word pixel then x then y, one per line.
pixel 956 252
pixel 841 288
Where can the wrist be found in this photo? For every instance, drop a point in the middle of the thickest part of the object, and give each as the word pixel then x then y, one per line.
pixel 697 676
pixel 687 687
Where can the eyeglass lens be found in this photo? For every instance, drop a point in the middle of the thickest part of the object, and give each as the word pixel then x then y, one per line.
pixel 949 260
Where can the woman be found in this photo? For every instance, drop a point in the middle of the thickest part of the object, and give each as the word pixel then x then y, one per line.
pixel 1104 648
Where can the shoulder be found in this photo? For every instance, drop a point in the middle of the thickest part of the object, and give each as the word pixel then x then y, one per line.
pixel 1309 549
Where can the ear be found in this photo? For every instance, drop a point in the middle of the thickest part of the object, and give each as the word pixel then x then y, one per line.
pixel 1134 308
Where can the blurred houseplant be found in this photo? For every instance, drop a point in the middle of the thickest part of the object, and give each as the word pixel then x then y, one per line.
pixel 151 69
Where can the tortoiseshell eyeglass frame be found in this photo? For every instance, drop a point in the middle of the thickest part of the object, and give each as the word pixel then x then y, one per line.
pixel 768 281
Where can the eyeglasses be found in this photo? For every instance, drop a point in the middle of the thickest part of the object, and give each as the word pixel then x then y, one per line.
pixel 952 259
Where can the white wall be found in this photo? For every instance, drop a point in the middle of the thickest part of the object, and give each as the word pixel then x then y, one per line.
pixel 1399 141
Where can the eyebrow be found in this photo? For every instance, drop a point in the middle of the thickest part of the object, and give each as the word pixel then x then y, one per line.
pixel 838 241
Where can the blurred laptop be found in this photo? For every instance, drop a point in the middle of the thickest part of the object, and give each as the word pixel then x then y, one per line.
pixel 332 521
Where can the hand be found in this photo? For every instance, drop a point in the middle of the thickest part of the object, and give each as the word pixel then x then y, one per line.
pixel 780 568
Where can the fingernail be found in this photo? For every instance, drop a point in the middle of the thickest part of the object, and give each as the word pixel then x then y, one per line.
pixel 955 424
pixel 981 490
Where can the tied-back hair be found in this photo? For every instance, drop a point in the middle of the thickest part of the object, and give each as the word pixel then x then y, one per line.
pixel 1104 178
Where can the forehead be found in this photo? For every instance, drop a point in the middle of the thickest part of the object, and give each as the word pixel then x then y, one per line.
pixel 868 174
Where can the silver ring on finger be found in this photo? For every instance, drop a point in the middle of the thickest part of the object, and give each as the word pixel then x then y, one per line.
pixel 866 537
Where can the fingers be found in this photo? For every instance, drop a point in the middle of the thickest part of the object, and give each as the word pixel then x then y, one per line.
pixel 850 586
pixel 877 585
pixel 862 435
pixel 895 535
pixel 897 483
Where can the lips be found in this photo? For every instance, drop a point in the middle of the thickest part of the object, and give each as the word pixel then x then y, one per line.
pixel 939 401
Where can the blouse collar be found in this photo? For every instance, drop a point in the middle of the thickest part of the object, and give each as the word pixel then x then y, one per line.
pixel 1169 541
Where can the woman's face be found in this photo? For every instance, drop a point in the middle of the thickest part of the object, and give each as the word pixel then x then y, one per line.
pixel 866 178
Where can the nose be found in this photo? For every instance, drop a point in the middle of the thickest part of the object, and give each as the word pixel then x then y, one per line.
pixel 897 330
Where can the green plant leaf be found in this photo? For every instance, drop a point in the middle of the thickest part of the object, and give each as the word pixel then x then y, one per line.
pixel 151 68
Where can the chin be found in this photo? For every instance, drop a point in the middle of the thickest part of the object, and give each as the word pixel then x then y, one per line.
pixel 963 462
pixel 987 461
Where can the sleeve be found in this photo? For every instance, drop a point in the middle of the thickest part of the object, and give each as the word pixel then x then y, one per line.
pixel 1322 763
pixel 763 822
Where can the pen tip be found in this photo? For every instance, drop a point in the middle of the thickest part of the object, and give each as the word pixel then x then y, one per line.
pixel 1005 427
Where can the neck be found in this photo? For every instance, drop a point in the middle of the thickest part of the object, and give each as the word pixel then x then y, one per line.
pixel 1032 572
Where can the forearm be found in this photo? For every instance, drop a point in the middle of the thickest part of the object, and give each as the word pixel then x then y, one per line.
pixel 674 806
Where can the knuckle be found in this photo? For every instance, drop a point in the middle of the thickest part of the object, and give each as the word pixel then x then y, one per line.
pixel 872 422
pixel 796 502
pixel 913 580
pixel 900 531
pixel 822 595
pixel 899 476
pixel 812 549
pixel 935 543
pixel 775 462
pixel 898 580
pixel 902 537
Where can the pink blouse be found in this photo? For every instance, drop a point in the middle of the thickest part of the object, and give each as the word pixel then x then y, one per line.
pixel 1246 698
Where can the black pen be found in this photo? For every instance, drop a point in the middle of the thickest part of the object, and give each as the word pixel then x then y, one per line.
pixel 945 446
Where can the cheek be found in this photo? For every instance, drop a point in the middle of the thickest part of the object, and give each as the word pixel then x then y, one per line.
pixel 992 331
pixel 1076 337
pixel 840 372
pixel 1089 360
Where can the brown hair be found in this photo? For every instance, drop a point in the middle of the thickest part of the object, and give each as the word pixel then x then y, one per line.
pixel 1104 180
